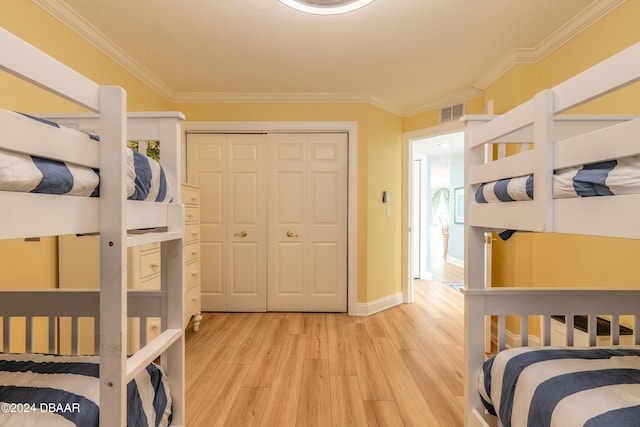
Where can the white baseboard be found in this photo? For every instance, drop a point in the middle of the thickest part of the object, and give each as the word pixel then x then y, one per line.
pixel 512 340
pixel 372 307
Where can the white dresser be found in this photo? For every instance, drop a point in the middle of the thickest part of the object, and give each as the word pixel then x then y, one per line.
pixel 192 305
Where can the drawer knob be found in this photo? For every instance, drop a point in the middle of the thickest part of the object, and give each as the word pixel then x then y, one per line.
pixel 194 273
pixel 154 264
pixel 195 298
pixel 241 234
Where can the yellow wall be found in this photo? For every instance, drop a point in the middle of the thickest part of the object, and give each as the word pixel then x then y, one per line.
pixel 17 259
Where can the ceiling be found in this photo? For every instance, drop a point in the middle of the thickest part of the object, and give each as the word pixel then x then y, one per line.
pixel 405 56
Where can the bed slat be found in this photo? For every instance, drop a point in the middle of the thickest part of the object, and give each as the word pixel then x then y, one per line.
pixel 53 321
pixel 593 330
pixel 18 58
pixel 621 69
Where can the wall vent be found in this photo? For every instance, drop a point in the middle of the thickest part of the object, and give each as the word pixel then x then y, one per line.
pixel 452 112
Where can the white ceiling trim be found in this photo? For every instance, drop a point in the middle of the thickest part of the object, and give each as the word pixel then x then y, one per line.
pixel 67 16
pixel 592 14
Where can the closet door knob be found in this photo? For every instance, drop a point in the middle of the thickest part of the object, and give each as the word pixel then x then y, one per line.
pixel 291 234
pixel 241 234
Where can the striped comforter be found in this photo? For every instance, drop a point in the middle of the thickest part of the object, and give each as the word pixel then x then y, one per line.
pixel 44 390
pixel 563 387
pixel 24 173
pixel 620 176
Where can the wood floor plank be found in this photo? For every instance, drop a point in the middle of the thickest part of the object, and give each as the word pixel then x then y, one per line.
pixel 237 329
pixel 414 410
pixel 373 386
pixel 347 405
pixel 339 346
pixel 252 341
pixel 195 370
pixel 263 369
pixel 433 388
pixel 314 406
pixel 382 413
pixel 282 406
pixel 397 330
pixel 316 330
pixel 220 397
pixel 375 326
pixel 248 407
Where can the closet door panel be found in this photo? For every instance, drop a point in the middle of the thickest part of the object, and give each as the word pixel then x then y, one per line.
pixel 247 228
pixel 207 168
pixel 327 227
pixel 308 211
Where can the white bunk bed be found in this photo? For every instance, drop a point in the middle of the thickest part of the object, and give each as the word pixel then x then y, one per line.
pixel 550 141
pixel 27 214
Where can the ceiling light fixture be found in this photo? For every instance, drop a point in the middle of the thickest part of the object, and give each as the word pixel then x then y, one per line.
pixel 326 7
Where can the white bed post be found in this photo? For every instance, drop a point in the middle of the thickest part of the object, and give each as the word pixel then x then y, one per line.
pixel 172 272
pixel 543 147
pixel 113 257
pixel 473 279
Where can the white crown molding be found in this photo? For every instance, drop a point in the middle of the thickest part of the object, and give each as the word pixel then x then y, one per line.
pixel 592 14
pixel 60 10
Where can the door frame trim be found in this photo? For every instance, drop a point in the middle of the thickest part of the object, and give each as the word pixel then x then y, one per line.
pixel 351 128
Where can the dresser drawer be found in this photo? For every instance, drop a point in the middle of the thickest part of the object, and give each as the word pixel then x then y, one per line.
pixel 191 214
pixel 191 303
pixel 191 274
pixel 191 252
pixel 191 233
pixel 149 264
pixel 190 196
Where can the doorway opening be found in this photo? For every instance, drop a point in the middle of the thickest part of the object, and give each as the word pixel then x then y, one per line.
pixel 434 241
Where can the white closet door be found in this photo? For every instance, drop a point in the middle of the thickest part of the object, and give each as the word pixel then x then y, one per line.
pixel 247 225
pixel 230 170
pixel 307 216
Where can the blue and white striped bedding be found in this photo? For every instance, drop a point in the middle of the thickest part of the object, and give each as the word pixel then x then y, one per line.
pixel 20 172
pixel 563 387
pixel 45 390
pixel 620 176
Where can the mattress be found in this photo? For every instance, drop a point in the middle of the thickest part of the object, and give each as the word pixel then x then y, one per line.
pixel 564 387
pixel 45 390
pixel 614 177
pixel 21 172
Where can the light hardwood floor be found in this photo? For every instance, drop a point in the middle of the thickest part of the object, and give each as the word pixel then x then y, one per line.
pixel 399 367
